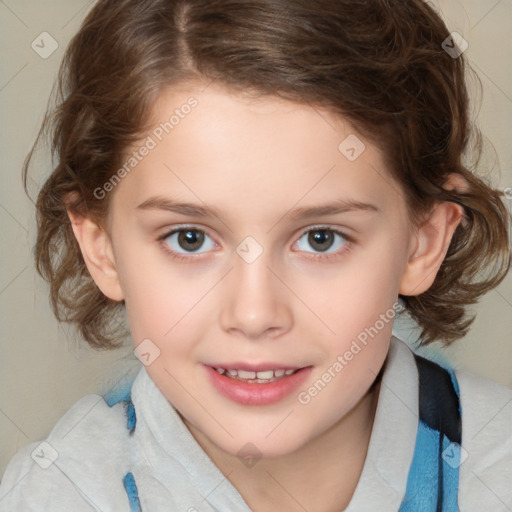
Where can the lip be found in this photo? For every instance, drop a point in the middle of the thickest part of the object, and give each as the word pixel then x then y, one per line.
pixel 255 393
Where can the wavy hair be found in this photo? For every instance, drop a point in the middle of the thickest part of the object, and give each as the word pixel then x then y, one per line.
pixel 380 64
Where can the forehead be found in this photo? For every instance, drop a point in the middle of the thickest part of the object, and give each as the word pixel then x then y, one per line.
pixel 209 144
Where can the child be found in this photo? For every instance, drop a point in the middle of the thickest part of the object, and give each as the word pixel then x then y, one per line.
pixel 310 155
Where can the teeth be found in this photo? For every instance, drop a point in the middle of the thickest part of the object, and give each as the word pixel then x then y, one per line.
pixel 246 375
pixel 262 375
pixel 265 376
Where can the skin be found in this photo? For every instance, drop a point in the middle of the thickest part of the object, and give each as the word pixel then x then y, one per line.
pixel 257 162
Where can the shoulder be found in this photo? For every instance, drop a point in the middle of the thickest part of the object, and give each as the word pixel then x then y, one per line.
pixel 486 468
pixel 82 457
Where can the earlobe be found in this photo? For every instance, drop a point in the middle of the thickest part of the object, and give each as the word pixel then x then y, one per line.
pixel 429 245
pixel 96 248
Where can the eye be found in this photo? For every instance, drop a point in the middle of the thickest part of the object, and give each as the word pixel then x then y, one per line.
pixel 322 240
pixel 188 240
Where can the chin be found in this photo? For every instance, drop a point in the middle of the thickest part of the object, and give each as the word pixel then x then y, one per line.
pixel 261 446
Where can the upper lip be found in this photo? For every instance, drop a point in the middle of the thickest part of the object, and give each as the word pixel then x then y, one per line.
pixel 252 367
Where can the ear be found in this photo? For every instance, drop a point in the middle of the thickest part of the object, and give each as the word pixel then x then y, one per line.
pixel 429 246
pixel 96 248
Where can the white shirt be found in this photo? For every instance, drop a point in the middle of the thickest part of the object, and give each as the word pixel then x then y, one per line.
pixel 95 451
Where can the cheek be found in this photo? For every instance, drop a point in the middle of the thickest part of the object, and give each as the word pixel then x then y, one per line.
pixel 359 308
pixel 159 296
pixel 352 296
pixel 335 392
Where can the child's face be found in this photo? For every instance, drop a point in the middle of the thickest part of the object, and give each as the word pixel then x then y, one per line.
pixel 300 304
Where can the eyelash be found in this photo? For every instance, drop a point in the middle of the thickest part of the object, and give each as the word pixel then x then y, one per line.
pixel 318 256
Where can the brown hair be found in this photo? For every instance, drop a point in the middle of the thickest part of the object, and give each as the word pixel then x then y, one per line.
pixel 380 64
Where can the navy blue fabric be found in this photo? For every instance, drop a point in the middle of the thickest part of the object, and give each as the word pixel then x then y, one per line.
pixel 433 480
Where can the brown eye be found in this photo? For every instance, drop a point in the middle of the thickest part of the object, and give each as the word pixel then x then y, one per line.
pixel 188 241
pixel 321 240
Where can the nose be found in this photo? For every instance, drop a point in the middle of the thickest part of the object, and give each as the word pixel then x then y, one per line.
pixel 256 304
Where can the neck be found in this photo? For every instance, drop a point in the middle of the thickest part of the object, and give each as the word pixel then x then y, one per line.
pixel 321 475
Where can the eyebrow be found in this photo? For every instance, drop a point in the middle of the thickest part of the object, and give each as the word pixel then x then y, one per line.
pixel 196 210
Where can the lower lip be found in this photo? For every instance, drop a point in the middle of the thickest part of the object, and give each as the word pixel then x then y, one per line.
pixel 256 393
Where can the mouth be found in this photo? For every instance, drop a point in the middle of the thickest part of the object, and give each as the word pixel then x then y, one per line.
pixel 265 384
pixel 259 377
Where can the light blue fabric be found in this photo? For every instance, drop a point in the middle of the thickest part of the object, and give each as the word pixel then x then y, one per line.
pixel 433 481
pixel 118 394
pixel 423 482
pixel 123 394
pixel 131 491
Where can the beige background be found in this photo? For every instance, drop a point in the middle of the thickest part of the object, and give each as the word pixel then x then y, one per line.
pixel 43 368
